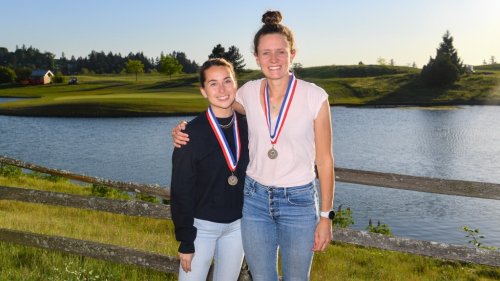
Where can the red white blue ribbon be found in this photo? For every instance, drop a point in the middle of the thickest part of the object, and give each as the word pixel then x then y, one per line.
pixel 231 161
pixel 285 106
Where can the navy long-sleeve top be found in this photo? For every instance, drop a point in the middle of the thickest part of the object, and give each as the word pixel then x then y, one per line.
pixel 199 185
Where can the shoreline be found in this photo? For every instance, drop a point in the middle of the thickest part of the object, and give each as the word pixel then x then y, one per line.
pixel 39 112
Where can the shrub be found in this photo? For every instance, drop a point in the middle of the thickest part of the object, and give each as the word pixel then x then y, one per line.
pixel 7 75
pixel 10 171
pixel 58 78
pixel 23 73
pixel 147 198
pixel 108 192
pixel 343 218
pixel 380 228
pixel 475 238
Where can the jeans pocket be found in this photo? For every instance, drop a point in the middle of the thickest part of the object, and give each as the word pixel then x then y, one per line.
pixel 301 198
pixel 249 188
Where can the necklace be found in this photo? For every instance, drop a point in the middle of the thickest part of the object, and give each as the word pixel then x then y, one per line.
pixel 228 124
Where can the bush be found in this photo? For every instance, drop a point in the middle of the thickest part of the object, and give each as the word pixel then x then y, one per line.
pixel 58 78
pixel 380 228
pixel 343 218
pixel 108 192
pixel 7 75
pixel 10 171
pixel 23 73
pixel 147 198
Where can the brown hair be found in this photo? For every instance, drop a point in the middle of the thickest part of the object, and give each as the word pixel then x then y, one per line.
pixel 272 24
pixel 214 62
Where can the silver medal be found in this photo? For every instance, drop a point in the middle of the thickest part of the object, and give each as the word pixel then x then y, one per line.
pixel 232 180
pixel 272 153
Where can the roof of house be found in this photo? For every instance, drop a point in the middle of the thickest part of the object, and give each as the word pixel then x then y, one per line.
pixel 41 73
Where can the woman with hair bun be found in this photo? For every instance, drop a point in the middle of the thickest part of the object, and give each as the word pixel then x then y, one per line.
pixel 289 131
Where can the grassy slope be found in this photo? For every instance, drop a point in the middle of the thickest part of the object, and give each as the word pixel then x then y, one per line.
pixel 157 95
pixel 339 262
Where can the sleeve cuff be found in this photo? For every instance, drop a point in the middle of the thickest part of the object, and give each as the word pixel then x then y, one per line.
pixel 186 248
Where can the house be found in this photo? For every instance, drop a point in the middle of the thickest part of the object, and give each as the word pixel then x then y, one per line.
pixel 469 68
pixel 39 76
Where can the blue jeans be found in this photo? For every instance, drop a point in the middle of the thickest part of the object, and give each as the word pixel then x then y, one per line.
pixel 220 242
pixel 279 218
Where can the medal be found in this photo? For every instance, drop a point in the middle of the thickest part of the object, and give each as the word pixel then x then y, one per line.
pixel 232 180
pixel 231 160
pixel 280 121
pixel 272 153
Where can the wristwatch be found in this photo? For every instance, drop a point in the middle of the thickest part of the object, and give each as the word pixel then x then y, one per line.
pixel 328 214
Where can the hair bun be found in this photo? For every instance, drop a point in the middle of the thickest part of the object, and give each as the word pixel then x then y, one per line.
pixel 272 17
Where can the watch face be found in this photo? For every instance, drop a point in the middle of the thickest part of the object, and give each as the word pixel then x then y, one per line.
pixel 331 215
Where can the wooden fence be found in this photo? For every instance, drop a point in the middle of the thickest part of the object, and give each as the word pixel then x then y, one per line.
pixel 161 211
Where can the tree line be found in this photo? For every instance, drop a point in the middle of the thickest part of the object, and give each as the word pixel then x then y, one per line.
pixel 20 62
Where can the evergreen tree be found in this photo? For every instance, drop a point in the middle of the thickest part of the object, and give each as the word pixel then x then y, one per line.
pixel 445 68
pixel 188 66
pixel 232 55
pixel 217 52
pixel 446 49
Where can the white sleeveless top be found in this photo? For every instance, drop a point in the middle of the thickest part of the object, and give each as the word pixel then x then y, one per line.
pixel 296 148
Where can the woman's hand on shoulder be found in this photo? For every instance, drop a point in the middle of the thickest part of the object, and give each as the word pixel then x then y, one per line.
pixel 180 138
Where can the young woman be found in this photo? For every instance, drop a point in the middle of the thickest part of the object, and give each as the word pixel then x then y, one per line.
pixel 290 132
pixel 207 181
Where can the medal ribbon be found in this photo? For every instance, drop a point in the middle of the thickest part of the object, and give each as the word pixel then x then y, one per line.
pixel 224 145
pixel 285 106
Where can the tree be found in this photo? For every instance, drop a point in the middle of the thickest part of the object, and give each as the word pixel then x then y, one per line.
pixel 134 66
pixel 446 49
pixel 217 52
pixel 381 61
pixel 232 55
pixel 7 75
pixel 445 68
pixel 188 66
pixel 297 68
pixel 492 60
pixel 23 73
pixel 169 65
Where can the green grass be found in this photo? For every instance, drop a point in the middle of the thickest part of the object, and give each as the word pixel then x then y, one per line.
pixel 339 262
pixel 20 263
pixel 157 95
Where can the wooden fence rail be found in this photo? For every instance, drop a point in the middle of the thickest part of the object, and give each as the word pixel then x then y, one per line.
pixel 92 249
pixel 151 189
pixel 390 180
pixel 124 207
pixel 424 184
pixel 161 211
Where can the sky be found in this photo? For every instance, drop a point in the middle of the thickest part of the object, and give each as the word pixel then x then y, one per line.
pixel 330 32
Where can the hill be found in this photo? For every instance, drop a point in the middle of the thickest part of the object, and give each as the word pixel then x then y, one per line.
pixel 157 95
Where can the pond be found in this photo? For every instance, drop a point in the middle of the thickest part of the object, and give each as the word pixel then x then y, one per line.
pixel 454 143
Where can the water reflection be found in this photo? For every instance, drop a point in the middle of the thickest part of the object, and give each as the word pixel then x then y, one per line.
pixel 4 99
